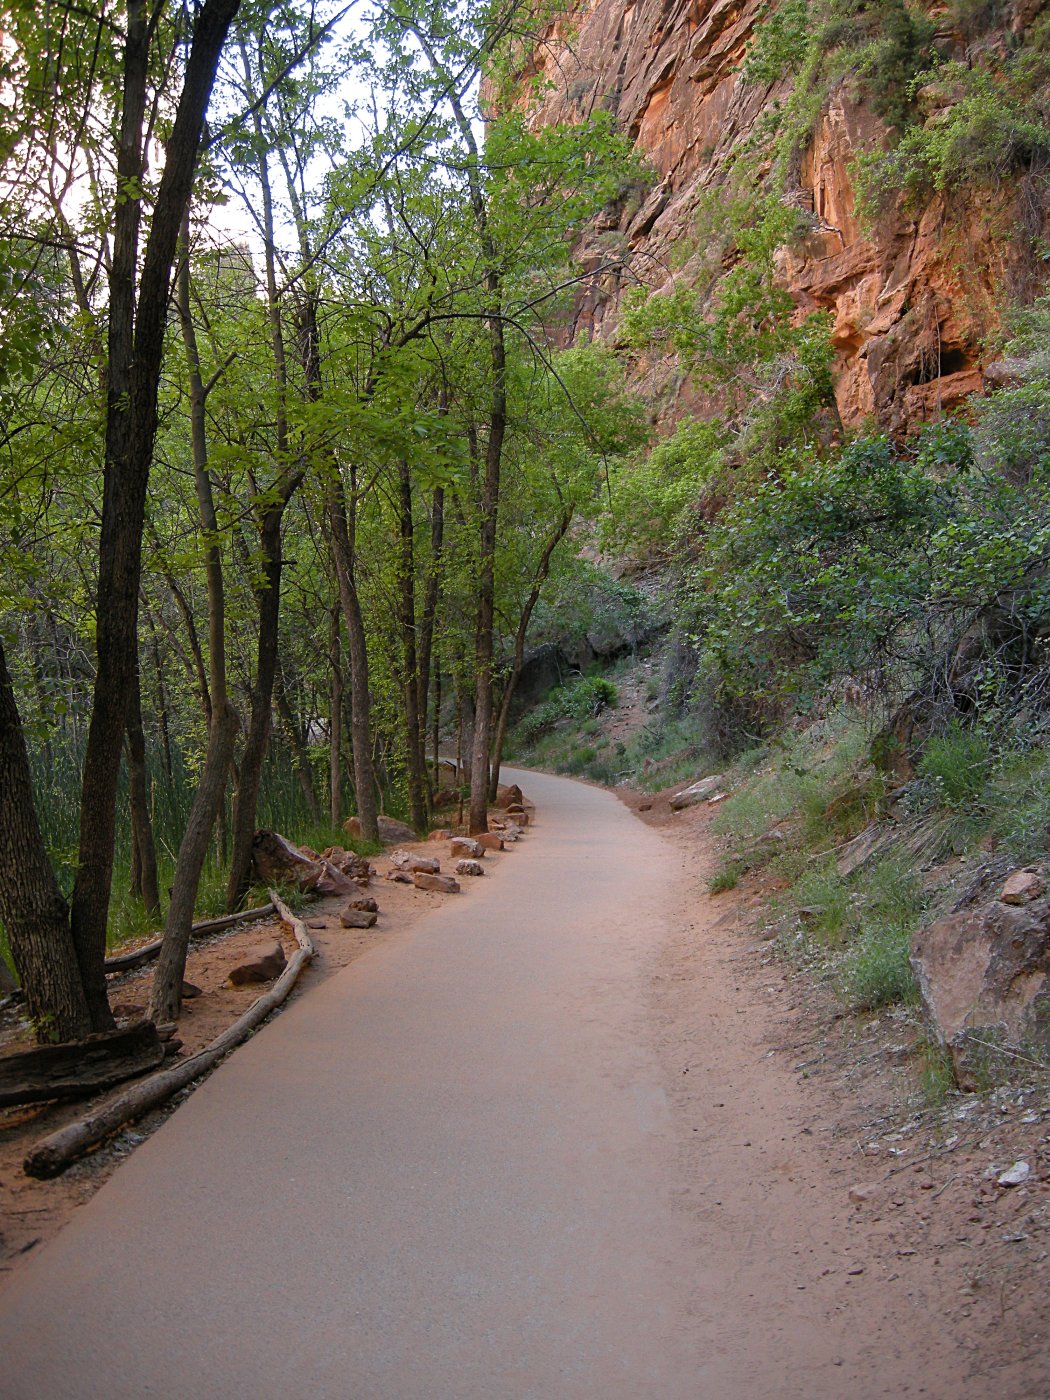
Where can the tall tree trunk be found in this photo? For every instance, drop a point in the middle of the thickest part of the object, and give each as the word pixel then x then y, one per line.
pixel 436 774
pixel 343 530
pixel 429 616
pixel 135 348
pixel 335 723
pixel 246 800
pixel 415 715
pixel 268 593
pixel 32 909
pixel 141 822
pixel 483 648
pixel 166 998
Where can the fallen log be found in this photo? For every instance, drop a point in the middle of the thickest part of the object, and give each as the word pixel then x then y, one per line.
pixel 53 1154
pixel 78 1068
pixel 124 962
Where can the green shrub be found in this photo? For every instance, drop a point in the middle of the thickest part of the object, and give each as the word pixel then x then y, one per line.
pixel 728 876
pixel 824 903
pixel 958 763
pixel 992 121
pixel 875 970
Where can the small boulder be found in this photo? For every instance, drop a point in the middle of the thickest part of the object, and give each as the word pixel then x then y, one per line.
pixel 699 791
pixel 349 863
pixel 261 964
pixel 490 841
pixel 518 815
pixel 984 979
pixel 467 846
pixel 1022 887
pixel 399 877
pixel 442 833
pixel 444 884
pixel 509 796
pixel 357 918
pixel 406 860
pixel 368 905
pixel 469 867
pixel 390 830
pixel 190 990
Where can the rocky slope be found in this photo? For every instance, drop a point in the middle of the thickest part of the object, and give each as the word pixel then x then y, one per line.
pixel 912 301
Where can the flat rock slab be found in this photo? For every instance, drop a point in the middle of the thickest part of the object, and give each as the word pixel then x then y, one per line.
pixel 406 860
pixel 701 791
pixel 444 884
pixel 358 918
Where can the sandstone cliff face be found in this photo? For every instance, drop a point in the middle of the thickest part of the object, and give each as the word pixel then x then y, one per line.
pixel 912 303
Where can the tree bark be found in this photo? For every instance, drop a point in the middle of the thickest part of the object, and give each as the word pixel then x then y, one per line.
pixel 335 724
pixel 138 313
pixel 414 713
pixel 166 998
pixel 268 595
pixel 141 823
pixel 343 529
pixel 33 912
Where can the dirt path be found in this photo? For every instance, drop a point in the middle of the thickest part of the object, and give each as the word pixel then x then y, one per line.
pixel 538 1146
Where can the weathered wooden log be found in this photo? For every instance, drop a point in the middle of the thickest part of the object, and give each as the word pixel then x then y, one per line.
pixel 124 962
pixel 78 1068
pixel 53 1154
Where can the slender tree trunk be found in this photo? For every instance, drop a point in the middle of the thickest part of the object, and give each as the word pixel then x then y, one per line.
pixel 483 649
pixel 141 822
pixel 343 529
pixel 166 998
pixel 429 615
pixel 415 716
pixel 335 723
pixel 135 349
pixel 268 595
pixel 32 910
pixel 246 800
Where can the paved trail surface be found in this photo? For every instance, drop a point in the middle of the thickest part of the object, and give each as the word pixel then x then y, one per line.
pixel 456 1171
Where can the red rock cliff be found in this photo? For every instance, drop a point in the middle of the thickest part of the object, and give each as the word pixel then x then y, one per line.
pixel 912 303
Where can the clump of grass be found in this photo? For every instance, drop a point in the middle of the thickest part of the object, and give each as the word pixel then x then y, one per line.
pixel 875 970
pixel 822 899
pixel 958 763
pixel 1019 797
pixel 728 876
pixel 936 1076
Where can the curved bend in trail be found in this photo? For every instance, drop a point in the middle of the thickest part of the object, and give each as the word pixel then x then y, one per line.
pixel 458 1170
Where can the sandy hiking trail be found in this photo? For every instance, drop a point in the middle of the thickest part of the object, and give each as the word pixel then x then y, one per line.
pixel 536 1146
